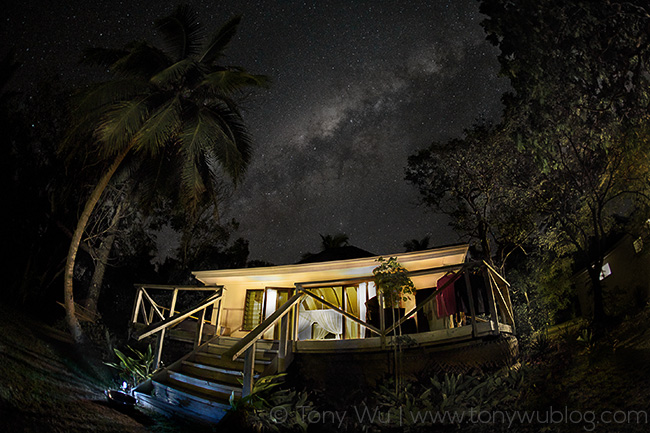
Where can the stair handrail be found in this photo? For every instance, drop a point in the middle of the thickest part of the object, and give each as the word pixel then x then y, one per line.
pixel 174 319
pixel 249 339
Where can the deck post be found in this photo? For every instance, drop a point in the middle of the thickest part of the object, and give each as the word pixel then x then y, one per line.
pixel 199 328
pixel 161 336
pixel 249 371
pixel 296 315
pixel 216 315
pixel 472 309
pixel 136 306
pixel 173 304
pixel 494 314
pixel 283 349
pixel 382 320
pixel 159 345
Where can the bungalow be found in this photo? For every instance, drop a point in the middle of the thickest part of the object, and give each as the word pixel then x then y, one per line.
pixel 310 319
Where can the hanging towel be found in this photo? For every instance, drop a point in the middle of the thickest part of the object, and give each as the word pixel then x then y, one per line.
pixel 446 299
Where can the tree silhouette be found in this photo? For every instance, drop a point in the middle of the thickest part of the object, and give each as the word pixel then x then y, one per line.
pixel 174 108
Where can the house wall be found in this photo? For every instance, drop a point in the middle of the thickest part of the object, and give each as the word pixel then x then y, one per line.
pixel 232 315
pixel 626 287
pixel 237 281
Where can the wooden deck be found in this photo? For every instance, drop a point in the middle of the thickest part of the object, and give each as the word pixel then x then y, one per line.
pixel 423 339
pixel 198 385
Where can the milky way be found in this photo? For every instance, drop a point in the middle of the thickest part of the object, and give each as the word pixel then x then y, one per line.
pixel 357 87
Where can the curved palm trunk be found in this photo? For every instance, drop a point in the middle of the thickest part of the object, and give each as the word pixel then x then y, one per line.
pixel 68 277
pixel 102 261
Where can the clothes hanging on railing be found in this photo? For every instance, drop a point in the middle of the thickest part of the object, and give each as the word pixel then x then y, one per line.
pixel 446 299
pixel 478 290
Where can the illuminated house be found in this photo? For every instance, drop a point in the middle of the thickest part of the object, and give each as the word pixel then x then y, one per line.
pixel 303 318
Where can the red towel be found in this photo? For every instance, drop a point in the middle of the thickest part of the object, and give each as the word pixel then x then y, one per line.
pixel 446 299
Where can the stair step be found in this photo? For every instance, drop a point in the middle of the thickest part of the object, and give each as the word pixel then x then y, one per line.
pixel 211 373
pixel 191 401
pixel 261 354
pixel 260 344
pixel 218 361
pixel 206 386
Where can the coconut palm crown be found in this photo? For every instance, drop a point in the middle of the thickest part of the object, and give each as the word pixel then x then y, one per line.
pixel 173 108
pixel 175 102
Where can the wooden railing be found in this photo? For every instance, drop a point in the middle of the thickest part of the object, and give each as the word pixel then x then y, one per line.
pixel 246 345
pixel 498 305
pixel 147 309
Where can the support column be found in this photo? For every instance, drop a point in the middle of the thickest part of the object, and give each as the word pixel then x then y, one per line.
pixel 249 371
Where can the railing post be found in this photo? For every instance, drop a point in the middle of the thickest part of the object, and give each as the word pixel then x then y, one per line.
pixel 136 306
pixel 470 297
pixel 494 314
pixel 382 320
pixel 159 346
pixel 161 335
pixel 296 315
pixel 249 371
pixel 173 304
pixel 283 349
pixel 216 315
pixel 199 328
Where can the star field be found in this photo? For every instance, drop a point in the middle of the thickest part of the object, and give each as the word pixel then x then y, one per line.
pixel 357 87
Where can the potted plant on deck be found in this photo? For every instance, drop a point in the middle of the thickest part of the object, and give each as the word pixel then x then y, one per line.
pixel 395 286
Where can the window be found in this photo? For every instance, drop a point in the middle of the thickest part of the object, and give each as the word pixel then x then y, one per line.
pixel 253 309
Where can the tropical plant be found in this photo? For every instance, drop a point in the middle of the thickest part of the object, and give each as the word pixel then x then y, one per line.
pixel 417 244
pixel 412 405
pixel 173 109
pixel 393 281
pixel 586 339
pixel 136 369
pixel 269 409
pixel 395 286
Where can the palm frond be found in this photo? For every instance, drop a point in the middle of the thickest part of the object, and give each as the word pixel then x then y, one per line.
pixel 229 81
pixel 120 124
pixel 172 75
pixel 219 40
pixel 159 129
pixel 99 96
pixel 181 32
pixel 142 60
pixel 233 144
pixel 98 56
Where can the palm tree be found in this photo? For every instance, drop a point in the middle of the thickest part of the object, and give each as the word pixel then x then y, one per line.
pixel 338 240
pixel 173 108
pixel 417 244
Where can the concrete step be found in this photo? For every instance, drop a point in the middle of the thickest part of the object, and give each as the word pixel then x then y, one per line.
pixel 190 401
pixel 217 361
pixel 211 373
pixel 206 386
pixel 261 354
pixel 260 344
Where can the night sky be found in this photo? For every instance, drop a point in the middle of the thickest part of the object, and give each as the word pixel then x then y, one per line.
pixel 358 86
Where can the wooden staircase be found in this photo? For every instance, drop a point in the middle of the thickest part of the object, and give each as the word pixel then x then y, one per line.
pixel 199 385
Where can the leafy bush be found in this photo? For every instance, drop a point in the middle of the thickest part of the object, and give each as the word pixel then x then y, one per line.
pixel 459 393
pixel 134 370
pixel 269 409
